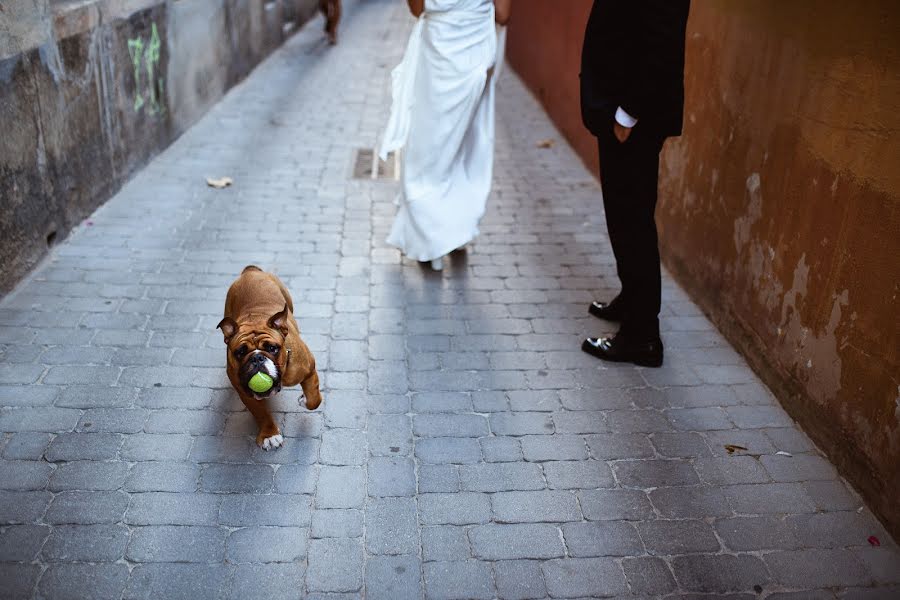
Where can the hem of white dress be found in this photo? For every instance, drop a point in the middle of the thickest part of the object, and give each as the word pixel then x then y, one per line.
pixel 427 257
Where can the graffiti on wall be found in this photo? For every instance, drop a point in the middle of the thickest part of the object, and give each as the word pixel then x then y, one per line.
pixel 148 82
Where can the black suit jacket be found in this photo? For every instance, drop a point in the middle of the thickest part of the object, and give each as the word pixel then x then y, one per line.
pixel 633 57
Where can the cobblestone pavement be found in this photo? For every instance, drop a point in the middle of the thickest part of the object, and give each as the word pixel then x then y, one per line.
pixel 466 447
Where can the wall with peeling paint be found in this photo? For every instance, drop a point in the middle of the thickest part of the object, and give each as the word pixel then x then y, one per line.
pixel 91 90
pixel 780 206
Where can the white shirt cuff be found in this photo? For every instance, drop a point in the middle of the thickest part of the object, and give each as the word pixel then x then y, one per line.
pixel 624 119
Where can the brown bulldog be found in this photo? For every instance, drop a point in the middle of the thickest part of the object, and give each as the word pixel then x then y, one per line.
pixel 262 337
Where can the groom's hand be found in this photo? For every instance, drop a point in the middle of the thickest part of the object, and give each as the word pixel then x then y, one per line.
pixel 621 132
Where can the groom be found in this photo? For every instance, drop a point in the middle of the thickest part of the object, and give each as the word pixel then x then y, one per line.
pixel 632 98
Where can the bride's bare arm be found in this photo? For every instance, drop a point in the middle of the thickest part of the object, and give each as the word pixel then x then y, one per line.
pixel 416 7
pixel 501 11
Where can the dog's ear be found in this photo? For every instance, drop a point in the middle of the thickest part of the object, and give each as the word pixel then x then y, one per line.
pixel 228 327
pixel 279 321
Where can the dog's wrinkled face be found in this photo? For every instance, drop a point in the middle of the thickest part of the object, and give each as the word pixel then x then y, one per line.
pixel 255 347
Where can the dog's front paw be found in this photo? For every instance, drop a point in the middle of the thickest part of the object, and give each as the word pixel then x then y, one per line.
pixel 271 443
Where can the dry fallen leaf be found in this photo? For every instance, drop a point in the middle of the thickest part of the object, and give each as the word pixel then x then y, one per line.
pixel 546 143
pixel 732 448
pixel 221 182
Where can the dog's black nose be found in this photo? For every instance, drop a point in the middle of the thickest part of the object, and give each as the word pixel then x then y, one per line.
pixel 257 358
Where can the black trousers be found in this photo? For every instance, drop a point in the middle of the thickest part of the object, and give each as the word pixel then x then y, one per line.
pixel 629 175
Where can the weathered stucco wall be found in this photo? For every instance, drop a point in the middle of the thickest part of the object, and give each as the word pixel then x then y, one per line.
pixel 780 205
pixel 90 90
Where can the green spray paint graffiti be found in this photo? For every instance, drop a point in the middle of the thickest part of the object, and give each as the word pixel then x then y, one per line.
pixel 145 59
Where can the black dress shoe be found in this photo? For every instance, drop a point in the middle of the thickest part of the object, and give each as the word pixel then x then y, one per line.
pixel 645 353
pixel 608 311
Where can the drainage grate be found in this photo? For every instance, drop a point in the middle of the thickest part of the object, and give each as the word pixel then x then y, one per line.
pixel 369 166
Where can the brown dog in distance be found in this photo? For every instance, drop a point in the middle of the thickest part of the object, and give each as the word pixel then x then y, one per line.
pixel 262 336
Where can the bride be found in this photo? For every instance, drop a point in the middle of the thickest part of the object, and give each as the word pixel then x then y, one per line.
pixel 443 118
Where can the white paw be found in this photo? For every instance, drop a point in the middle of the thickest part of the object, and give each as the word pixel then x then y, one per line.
pixel 271 443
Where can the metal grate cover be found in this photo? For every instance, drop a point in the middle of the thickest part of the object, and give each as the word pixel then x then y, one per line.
pixel 368 166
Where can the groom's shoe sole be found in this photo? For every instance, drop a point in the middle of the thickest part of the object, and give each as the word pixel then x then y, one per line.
pixel 649 354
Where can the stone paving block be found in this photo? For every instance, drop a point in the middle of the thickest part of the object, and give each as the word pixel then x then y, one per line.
pixel 756 533
pixel 84 446
pixel 295 479
pixel 86 543
pixel 460 508
pixel 22 543
pixel 790 439
pixel 521 423
pixel 769 498
pixel 501 449
pixel 100 582
pixel 583 577
pixel 164 508
pixel 683 502
pixel 343 447
pixel 719 573
pixel 519 579
pixel 830 495
pixel 263 581
pixel 391 526
pixel 538 401
pixel 606 505
pixel 439 402
pixel 391 476
pixel 39 418
pixel 654 473
pixel 155 447
pixel 185 398
pixel 266 545
pixel 837 529
pixel 336 523
pixel 506 542
pixel 587 474
pixel 638 421
pixel 23 507
pixel 730 470
pixel 449 450
pixel 176 543
pixel 444 543
pixel 334 565
pixel 755 417
pixel 458 580
pixel 881 562
pixel 346 408
pixel 163 477
pixel 195 422
pixel 584 421
pixel 799 467
pixel 176 581
pixel 24 474
pixel 496 477
pixel 535 507
pixel 113 420
pixel 490 402
pixel 812 568
pixel 86 508
pixel 341 487
pixel 389 435
pixel 554 447
pixel 665 537
pixel 19 580
pixel 602 538
pixel 28 395
pixel 393 578
pixel 438 478
pixel 235 479
pixel 88 475
pixel 611 446
pixel 450 425
pixel 648 575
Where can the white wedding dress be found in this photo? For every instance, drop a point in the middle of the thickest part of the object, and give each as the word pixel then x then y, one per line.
pixel 443 119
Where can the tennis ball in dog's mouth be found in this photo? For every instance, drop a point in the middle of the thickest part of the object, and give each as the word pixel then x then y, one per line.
pixel 260 383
